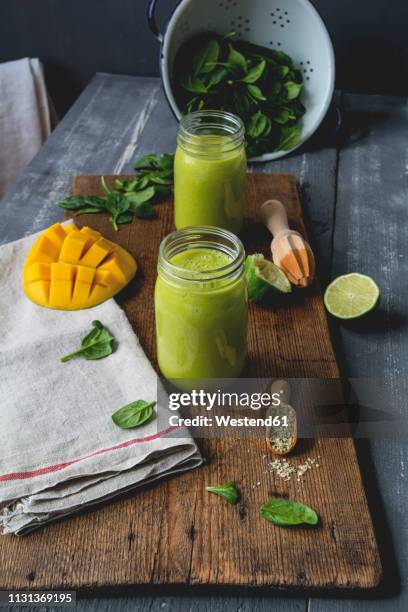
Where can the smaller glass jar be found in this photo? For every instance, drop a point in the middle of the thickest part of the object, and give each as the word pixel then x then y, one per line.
pixel 210 171
pixel 201 305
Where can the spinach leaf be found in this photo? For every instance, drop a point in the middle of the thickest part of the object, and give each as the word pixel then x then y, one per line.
pixel 147 161
pixel 236 61
pixel 259 125
pixel 206 56
pixel 292 89
pixel 282 58
pixel 96 345
pixel 228 491
pixel 242 103
pixel 254 73
pixel 143 210
pixel 216 76
pixel 161 180
pixel 124 218
pixel 284 116
pixel 290 137
pixel 78 202
pixel 284 512
pixel 155 162
pixel 116 204
pixel 256 93
pixel 88 210
pixel 133 415
pixel 194 85
pixel 138 197
pixel 166 162
pixel 283 71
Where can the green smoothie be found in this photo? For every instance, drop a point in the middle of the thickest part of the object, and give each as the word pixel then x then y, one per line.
pixel 209 182
pixel 201 323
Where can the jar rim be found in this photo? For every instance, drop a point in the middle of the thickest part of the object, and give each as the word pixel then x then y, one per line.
pixel 210 124
pixel 201 236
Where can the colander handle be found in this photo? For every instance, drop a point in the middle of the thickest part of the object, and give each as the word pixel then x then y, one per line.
pixel 151 20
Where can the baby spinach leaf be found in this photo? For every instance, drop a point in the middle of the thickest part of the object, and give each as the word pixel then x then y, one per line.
pixel 165 161
pixel 147 161
pixel 254 73
pixel 207 55
pixel 88 210
pixel 133 415
pixel 119 184
pixel 276 89
pixel 282 58
pixel 138 197
pixel 256 93
pixel 236 61
pixel 242 103
pixel 161 192
pixel 283 116
pixel 290 137
pixel 97 344
pixel 283 71
pixel 259 125
pixel 161 180
pixel 116 204
pixel 143 210
pixel 124 218
pixel 228 491
pixel 194 85
pixel 77 202
pixel 284 512
pixel 292 89
pixel 216 76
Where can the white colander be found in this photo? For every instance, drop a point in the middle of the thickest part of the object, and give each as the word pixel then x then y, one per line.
pixel 293 26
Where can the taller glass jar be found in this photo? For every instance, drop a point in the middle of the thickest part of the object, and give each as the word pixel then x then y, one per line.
pixel 210 171
pixel 201 305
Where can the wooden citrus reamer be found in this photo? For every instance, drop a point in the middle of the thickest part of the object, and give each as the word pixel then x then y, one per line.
pixel 290 251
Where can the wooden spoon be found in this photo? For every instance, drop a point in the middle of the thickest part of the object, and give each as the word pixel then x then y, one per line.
pixel 290 251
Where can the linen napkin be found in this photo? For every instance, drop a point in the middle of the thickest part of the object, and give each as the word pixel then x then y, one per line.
pixel 25 116
pixel 59 449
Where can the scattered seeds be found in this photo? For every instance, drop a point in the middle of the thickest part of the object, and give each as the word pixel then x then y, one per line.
pixel 287 470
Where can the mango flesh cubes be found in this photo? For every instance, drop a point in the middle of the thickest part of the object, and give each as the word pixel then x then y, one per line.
pixel 71 269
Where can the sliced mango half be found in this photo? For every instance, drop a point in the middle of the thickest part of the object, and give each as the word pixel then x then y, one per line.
pixel 71 269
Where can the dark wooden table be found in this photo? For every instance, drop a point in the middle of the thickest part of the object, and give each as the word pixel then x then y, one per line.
pixel 355 195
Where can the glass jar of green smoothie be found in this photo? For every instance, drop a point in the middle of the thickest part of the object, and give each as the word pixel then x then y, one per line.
pixel 210 171
pixel 201 305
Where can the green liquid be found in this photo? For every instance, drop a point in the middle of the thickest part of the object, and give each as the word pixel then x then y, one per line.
pixel 201 327
pixel 201 260
pixel 210 189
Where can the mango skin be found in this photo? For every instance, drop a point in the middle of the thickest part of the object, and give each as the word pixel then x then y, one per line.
pixel 71 269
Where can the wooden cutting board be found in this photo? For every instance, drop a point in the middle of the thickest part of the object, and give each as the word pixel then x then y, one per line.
pixel 175 532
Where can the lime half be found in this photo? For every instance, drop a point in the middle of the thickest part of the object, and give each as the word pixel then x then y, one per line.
pixel 262 275
pixel 351 296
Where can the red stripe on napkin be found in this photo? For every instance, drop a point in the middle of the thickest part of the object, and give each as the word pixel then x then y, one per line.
pixel 61 466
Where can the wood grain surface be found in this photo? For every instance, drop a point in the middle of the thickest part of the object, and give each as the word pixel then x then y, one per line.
pixel 175 533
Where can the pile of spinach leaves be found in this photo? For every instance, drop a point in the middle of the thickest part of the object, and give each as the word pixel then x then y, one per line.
pixel 258 84
pixel 152 183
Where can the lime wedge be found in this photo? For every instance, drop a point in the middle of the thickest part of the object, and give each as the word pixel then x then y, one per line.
pixel 351 296
pixel 262 275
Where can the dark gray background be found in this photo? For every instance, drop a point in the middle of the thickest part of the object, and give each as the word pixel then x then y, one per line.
pixel 76 38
